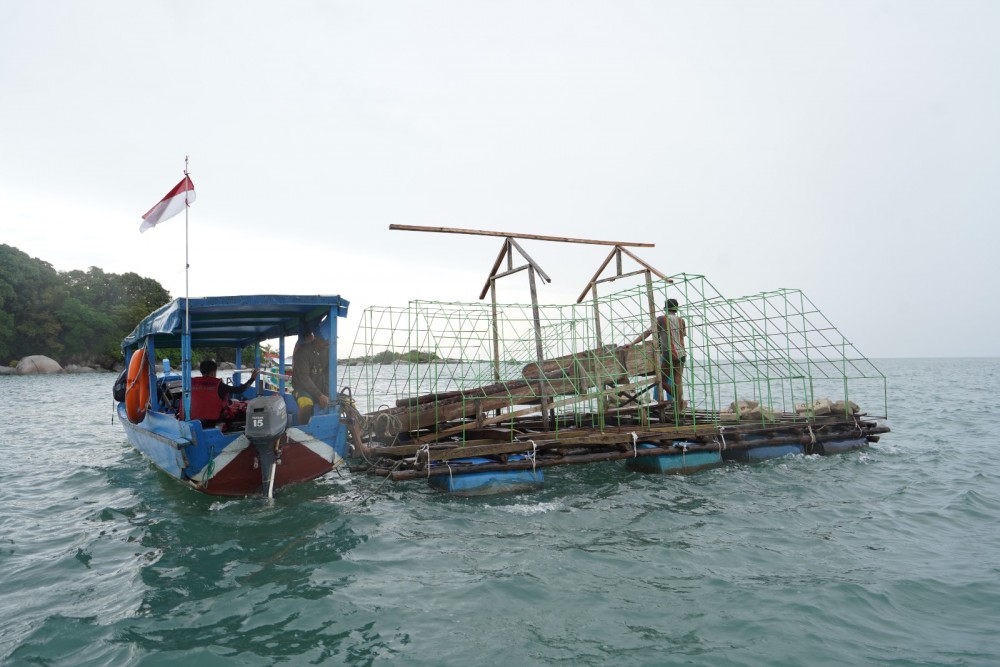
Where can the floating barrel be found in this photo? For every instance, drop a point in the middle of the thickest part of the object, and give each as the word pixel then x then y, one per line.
pixel 672 464
pixel 763 452
pixel 486 483
pixel 840 446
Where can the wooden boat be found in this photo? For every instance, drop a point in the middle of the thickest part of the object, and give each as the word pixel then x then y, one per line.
pixel 268 451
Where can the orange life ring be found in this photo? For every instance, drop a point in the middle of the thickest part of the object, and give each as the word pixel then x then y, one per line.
pixel 137 387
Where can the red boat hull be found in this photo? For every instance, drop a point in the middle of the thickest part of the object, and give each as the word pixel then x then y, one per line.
pixel 241 475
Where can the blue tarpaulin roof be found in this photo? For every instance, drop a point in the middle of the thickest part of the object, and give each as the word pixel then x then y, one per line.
pixel 233 321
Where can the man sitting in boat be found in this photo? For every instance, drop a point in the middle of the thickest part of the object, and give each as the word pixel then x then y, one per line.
pixel 210 400
pixel 311 371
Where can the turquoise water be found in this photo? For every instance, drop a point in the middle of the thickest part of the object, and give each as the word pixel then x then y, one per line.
pixel 890 556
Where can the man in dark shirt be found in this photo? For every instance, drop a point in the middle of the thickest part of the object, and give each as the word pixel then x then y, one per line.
pixel 671 332
pixel 311 371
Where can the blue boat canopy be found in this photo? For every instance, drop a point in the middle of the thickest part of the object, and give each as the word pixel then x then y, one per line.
pixel 233 321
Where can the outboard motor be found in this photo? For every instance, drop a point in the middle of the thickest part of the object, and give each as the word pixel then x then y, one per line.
pixel 267 419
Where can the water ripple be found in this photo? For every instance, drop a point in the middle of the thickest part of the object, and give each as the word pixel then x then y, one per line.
pixel 887 556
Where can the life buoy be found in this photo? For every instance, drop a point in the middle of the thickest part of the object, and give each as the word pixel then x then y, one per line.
pixel 137 390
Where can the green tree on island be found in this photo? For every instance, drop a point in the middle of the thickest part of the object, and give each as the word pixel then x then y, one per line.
pixel 73 316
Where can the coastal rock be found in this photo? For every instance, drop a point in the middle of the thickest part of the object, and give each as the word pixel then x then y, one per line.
pixel 73 368
pixel 38 363
pixel 7 370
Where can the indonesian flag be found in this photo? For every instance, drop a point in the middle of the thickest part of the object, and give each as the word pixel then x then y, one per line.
pixel 169 206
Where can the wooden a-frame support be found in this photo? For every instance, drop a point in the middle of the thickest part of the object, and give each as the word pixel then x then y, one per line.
pixel 507 252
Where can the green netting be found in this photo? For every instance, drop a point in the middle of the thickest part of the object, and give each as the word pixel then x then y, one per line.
pixel 466 360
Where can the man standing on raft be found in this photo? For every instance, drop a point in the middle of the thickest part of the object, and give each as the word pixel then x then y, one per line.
pixel 671 331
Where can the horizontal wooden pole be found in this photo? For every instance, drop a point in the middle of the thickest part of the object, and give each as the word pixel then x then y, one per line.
pixel 515 235
pixel 403 475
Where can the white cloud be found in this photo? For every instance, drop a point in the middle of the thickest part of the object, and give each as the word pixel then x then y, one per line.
pixel 846 148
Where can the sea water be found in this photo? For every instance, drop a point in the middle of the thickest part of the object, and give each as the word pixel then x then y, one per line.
pixel 887 556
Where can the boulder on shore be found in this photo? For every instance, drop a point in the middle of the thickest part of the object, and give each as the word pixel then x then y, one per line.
pixel 73 368
pixel 7 370
pixel 38 363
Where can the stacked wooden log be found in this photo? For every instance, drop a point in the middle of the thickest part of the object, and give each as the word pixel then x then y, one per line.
pixel 583 376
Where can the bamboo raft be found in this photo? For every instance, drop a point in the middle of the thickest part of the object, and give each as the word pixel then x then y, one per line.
pixel 432 434
pixel 550 404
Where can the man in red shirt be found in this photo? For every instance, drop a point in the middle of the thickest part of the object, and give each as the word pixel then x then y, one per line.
pixel 210 396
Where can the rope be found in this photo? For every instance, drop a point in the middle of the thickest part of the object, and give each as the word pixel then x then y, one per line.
pixel 391 422
pixel 534 451
pixel 635 445
pixel 210 470
pixel 722 445
pixel 425 449
pixel 382 483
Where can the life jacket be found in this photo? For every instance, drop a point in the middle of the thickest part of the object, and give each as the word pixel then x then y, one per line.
pixel 205 401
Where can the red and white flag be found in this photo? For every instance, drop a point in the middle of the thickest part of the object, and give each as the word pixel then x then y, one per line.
pixel 169 206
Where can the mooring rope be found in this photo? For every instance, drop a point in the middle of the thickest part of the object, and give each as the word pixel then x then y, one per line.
pixel 812 438
pixel 635 445
pixel 425 449
pixel 722 445
pixel 534 451
pixel 382 483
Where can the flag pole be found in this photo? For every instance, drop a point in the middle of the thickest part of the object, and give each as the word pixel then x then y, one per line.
pixel 186 347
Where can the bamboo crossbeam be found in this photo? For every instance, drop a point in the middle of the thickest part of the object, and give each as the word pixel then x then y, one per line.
pixel 403 475
pixel 611 279
pixel 563 440
pixel 516 235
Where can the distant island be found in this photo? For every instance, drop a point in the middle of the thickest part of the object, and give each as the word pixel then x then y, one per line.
pixel 390 357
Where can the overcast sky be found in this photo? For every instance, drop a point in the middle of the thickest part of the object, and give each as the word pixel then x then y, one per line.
pixel 851 149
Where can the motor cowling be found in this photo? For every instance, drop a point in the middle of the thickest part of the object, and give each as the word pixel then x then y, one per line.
pixel 267 419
